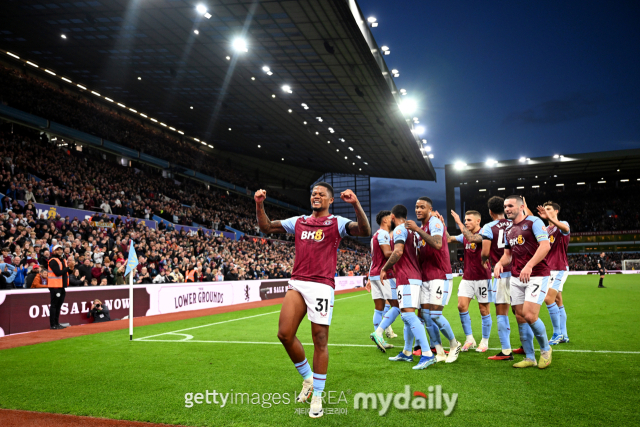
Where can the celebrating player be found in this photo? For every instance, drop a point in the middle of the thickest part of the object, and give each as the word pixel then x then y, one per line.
pixel 380 291
pixel 435 266
pixel 526 246
pixel 476 279
pixel 492 250
pixel 557 259
pixel 312 281
pixel 408 282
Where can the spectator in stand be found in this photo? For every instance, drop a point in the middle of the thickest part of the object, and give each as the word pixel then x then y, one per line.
pixel 76 279
pixel 145 277
pixel 161 277
pixel 40 276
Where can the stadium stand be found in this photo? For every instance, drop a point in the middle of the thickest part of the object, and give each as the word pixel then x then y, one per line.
pixel 36 171
pixel 587 208
pixel 43 99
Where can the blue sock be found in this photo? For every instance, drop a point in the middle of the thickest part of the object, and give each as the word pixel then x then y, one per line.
pixel 408 338
pixel 487 322
pixel 318 384
pixel 377 318
pixel 526 338
pixel 389 318
pixel 466 323
pixel 432 328
pixel 563 321
pixel 304 369
pixel 386 308
pixel 504 332
pixel 418 331
pixel 555 318
pixel 540 333
pixel 443 324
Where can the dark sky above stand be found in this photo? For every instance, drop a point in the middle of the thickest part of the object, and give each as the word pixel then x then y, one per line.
pixel 505 79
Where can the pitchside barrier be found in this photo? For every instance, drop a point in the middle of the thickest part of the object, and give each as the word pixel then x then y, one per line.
pixel 25 310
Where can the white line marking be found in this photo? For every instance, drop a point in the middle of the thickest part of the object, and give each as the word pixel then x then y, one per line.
pixel 227 321
pixel 373 346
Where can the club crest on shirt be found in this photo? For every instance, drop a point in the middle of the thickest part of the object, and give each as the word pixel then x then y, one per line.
pixel 525 227
pixel 327 222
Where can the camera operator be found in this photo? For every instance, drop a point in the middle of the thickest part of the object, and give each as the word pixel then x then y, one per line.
pixel 99 312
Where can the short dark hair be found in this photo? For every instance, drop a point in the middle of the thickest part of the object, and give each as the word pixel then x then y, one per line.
pixel 517 197
pixel 399 211
pixel 426 199
pixel 555 206
pixel 325 185
pixel 381 216
pixel 496 205
pixel 474 213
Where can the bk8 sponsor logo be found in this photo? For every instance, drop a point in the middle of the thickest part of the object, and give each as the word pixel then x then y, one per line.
pixel 317 235
pixel 517 241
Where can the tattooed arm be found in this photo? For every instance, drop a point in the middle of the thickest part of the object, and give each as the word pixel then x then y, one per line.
pixel 433 241
pixel 471 238
pixel 398 250
pixel 266 225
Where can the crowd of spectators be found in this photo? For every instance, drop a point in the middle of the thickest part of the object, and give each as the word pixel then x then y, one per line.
pixel 83 180
pixel 70 108
pixel 587 208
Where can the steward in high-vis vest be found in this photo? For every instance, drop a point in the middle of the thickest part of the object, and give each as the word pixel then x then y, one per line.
pixel 57 282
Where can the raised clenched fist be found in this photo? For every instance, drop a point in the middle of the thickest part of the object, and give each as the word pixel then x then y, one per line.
pixel 260 196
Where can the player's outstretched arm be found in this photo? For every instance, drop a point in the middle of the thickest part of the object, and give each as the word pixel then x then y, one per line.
pixel 361 227
pixel 542 213
pixel 266 225
pixel 398 250
pixel 505 260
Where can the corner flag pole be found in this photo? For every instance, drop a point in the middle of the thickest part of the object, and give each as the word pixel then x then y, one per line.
pixel 132 263
pixel 130 307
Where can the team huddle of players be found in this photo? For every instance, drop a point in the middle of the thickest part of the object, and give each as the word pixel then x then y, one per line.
pixel 411 271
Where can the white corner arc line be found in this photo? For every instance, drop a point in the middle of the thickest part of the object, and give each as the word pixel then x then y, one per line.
pixel 227 321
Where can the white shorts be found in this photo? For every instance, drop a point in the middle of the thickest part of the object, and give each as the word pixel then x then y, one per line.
pixel 557 279
pixel 535 291
pixel 436 292
pixel 409 295
pixel 500 289
pixel 319 300
pixel 386 290
pixel 475 288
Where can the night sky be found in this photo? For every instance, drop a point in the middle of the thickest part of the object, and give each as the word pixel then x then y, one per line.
pixel 510 79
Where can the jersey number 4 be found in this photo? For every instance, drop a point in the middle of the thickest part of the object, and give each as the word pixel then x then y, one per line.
pixel 323 305
pixel 500 239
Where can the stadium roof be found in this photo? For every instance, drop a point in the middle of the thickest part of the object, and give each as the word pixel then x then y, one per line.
pixel 559 168
pixel 149 58
pixel 506 177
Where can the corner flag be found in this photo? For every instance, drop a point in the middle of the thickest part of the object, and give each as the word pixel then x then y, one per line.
pixel 132 261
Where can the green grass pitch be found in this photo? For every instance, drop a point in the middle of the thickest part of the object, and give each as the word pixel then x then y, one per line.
pixel 106 375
